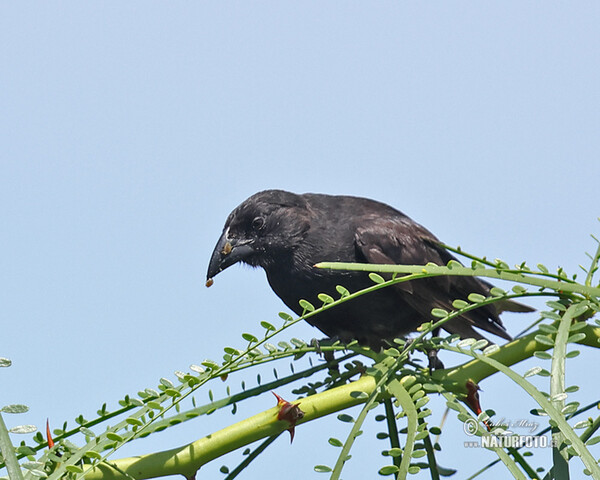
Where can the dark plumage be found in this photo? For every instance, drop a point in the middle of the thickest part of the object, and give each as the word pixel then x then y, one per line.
pixel 287 234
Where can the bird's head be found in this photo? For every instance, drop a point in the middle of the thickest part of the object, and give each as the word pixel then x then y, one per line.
pixel 265 227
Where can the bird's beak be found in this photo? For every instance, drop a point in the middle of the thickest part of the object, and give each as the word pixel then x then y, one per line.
pixel 227 252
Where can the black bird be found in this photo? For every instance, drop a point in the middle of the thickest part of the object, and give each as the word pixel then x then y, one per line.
pixel 287 234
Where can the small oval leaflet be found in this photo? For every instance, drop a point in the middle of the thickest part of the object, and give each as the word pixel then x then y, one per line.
pixel 87 432
pixel 306 305
pixel 325 298
pixel 388 470
pixel 376 278
pixel 491 349
pixel 343 417
pixel 335 442
pixel 322 469
pixel 532 371
pixel 476 298
pixel 543 327
pixel 466 342
pixel 286 316
pixel 559 397
pixel 359 395
pixel 343 291
pixel 16 408
pixel 576 338
pixel 114 436
pixel 439 313
pixel 23 429
pixel 544 340
pixel 459 304
pixel 196 368
pixel 497 292
pixel 74 469
pixel 249 337
pixel 479 344
pixel 267 326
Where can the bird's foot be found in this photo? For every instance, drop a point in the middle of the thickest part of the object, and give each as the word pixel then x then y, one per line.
pixel 434 361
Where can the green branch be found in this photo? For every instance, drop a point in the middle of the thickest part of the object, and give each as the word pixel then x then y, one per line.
pixel 188 459
pixel 455 379
pixel 429 270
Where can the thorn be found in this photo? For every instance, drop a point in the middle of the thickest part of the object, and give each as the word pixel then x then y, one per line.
pixel 288 412
pixel 49 435
pixel 472 400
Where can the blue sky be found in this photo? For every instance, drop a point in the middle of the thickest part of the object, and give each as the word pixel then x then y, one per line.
pixel 130 131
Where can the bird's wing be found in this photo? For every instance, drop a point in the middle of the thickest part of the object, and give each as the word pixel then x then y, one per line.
pixel 404 242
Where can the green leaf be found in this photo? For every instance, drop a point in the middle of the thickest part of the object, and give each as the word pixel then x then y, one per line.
pixel 359 395
pixel 593 441
pixel 74 469
pixel 322 469
pixel 476 298
pixel 210 364
pixel 546 328
pixel 343 291
pixel 572 354
pixel 114 437
pixel 5 362
pixel 459 304
pixel 543 355
pixel 388 470
pixel 376 278
pixel 532 371
pixel 497 292
pixel 87 432
pixel 491 349
pixel 267 326
pixel 306 305
pixel 479 344
pixel 345 418
pixel 467 342
pixel 439 313
pixel 395 452
pixel 325 298
pixel 518 289
pixel 20 429
pixel 544 340
pixel 16 408
pixel 576 338
pixel 579 309
pixel 249 337
pixel 556 305
pixel 286 316
pixel 335 442
pixel 93 454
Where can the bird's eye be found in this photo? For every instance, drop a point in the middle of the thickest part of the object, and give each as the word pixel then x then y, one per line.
pixel 258 223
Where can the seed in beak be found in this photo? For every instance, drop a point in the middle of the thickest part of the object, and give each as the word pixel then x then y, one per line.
pixel 227 249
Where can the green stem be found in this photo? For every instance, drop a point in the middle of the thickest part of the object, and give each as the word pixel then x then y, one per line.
pixel 188 459
pixel 390 416
pixel 430 270
pixel 455 379
pixel 557 390
pixel 8 452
